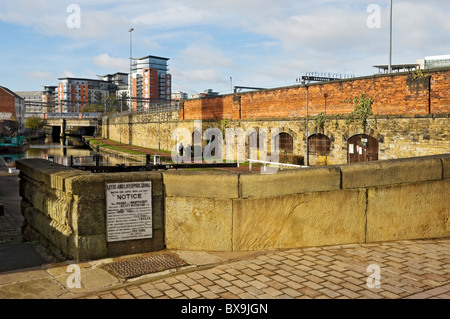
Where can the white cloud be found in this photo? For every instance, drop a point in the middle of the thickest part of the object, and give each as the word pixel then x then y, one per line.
pixel 258 42
pixel 177 16
pixel 41 75
pixel 205 55
pixel 106 62
pixel 68 74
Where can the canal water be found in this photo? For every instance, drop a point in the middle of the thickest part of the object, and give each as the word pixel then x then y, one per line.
pixel 55 149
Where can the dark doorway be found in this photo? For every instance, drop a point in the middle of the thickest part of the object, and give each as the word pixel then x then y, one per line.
pixel 319 144
pixel 362 148
pixel 285 143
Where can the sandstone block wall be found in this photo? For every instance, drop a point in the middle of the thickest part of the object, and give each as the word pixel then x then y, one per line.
pixel 356 203
pixel 227 211
pixel 399 136
pixel 65 208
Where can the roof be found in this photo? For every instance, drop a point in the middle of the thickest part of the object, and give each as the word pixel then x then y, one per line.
pixel 398 67
pixel 152 56
pixel 29 94
pixel 81 79
pixel 11 92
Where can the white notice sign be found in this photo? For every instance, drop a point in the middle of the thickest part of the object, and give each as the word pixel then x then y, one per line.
pixel 128 211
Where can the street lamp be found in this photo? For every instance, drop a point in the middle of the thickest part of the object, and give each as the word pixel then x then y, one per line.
pixel 131 62
pixel 307 129
pixel 305 84
pixel 390 42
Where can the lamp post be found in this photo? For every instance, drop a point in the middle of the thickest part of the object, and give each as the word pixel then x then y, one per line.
pixel 305 84
pixel 390 42
pixel 131 62
pixel 307 129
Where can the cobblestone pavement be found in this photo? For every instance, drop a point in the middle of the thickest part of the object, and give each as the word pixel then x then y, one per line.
pixel 11 220
pixel 407 269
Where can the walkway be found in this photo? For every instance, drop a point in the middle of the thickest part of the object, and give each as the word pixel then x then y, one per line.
pixel 408 269
pixel 417 269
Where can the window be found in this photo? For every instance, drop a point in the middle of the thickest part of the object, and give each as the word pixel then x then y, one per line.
pixel 285 143
pixel 319 144
pixel 253 140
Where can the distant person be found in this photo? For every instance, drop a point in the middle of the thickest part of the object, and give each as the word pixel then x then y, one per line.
pixel 181 149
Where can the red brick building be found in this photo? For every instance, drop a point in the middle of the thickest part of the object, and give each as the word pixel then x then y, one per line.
pixel 12 112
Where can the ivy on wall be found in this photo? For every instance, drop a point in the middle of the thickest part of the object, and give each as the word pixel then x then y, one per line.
pixel 362 109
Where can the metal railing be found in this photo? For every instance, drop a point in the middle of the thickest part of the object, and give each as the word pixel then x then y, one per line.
pixel 156 108
pixel 266 163
pixel 66 115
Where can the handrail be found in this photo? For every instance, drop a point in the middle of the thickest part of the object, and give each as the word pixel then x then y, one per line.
pixel 271 163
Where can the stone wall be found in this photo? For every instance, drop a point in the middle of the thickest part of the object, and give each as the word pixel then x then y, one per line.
pixel 357 203
pixel 399 136
pixel 65 208
pixel 219 210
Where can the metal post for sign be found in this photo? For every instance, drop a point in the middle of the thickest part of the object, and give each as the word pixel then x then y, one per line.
pixel 390 42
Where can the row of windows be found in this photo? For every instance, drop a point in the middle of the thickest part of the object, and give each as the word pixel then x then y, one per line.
pixel 318 143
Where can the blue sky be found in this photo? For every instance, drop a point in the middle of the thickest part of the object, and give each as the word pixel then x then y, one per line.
pixel 256 43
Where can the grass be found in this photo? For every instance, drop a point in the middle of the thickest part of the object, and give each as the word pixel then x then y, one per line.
pixel 94 142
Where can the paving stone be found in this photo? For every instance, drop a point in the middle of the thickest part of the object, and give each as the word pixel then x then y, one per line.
pixel 408 270
pixel 191 294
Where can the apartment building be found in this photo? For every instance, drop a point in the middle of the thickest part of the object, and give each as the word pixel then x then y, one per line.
pixel 33 101
pixel 151 81
pixel 120 81
pixel 50 98
pixel 74 94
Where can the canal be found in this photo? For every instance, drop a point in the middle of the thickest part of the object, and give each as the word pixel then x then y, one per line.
pixel 56 149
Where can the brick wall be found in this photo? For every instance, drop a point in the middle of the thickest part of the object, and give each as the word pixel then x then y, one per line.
pixel 7 104
pixel 396 94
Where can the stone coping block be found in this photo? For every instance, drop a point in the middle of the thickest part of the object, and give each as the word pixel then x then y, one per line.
pixel 201 184
pixel 391 172
pixel 445 158
pixel 408 211
pixel 302 220
pixel 47 172
pixel 93 185
pixel 287 182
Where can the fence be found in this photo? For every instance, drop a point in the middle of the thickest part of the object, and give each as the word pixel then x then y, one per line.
pixel 155 108
pixel 109 160
pixel 265 164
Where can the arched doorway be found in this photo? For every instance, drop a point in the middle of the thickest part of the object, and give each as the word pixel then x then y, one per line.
pixel 284 143
pixel 362 148
pixel 319 144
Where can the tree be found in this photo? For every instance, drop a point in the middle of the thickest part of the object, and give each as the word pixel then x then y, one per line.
pixel 34 123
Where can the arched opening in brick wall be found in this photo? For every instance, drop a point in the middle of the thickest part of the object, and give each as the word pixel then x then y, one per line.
pixel 362 148
pixel 319 144
pixel 253 140
pixel 284 142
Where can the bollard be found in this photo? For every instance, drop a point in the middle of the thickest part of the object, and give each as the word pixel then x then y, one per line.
pixel 2 209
